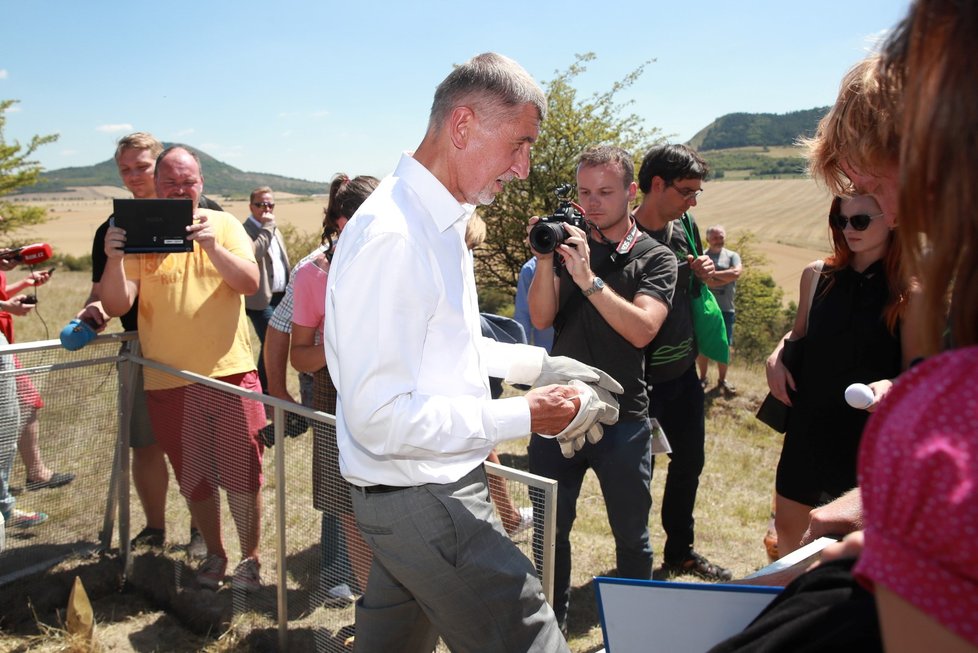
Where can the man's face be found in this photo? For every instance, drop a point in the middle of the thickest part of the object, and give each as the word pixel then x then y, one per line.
pixel 676 197
pixel 262 203
pixel 178 176
pixel 605 197
pixel 496 152
pixel 136 170
pixel 883 185
pixel 717 239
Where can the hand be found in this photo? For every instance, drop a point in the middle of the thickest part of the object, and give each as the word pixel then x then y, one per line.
pixel 16 306
pixel 203 232
pixel 115 240
pixel 779 379
pixel 587 423
pixel 38 278
pixel 6 262
pixel 552 408
pixel 879 388
pixel 562 369
pixel 94 316
pixel 702 266
pixel 575 254
pixel 851 546
pixel 266 217
pixel 838 517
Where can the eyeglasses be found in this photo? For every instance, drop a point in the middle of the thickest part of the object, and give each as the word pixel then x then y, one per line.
pixel 267 205
pixel 859 222
pixel 686 193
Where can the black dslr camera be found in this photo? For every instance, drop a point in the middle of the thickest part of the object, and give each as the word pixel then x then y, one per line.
pixel 549 231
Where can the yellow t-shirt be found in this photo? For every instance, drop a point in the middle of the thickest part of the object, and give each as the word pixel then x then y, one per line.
pixel 189 318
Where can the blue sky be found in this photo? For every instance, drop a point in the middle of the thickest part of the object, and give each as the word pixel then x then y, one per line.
pixel 308 89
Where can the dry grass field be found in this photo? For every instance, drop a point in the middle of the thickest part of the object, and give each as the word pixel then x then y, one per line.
pixel 736 485
pixel 786 216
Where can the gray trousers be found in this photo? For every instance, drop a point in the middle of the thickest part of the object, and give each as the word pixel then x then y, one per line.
pixel 444 566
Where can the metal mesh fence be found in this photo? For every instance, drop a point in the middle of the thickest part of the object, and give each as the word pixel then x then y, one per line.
pixel 299 524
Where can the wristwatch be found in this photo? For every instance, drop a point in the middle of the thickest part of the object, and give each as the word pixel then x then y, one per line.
pixel 596 286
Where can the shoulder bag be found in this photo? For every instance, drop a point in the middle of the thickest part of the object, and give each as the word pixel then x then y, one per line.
pixel 708 324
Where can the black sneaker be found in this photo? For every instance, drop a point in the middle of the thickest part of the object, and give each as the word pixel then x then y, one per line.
pixel 153 537
pixel 693 564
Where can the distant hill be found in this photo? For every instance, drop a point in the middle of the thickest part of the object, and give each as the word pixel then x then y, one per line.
pixel 221 179
pixel 757 129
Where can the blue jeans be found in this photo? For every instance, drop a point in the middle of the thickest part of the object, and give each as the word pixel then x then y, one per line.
pixel 678 405
pixel 622 461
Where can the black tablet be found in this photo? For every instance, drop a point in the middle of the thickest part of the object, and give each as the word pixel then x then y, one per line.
pixel 154 225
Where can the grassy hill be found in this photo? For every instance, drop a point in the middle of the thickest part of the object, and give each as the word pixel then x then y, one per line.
pixel 222 179
pixel 756 162
pixel 747 129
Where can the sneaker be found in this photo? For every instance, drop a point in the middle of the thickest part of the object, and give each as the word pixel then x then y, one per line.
pixel 196 548
pixel 341 593
pixel 57 480
pixel 23 519
pixel 693 564
pixel 153 537
pixel 727 387
pixel 210 574
pixel 247 575
pixel 526 522
pixel 703 383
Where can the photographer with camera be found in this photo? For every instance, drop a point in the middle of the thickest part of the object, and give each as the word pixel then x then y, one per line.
pixel 607 292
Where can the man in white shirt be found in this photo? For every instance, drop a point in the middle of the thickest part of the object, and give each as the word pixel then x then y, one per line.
pixel 273 268
pixel 415 420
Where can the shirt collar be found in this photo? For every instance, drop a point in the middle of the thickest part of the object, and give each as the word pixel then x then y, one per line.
pixel 443 208
pixel 252 219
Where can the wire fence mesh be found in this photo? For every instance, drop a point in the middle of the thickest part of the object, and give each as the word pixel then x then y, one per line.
pixel 287 506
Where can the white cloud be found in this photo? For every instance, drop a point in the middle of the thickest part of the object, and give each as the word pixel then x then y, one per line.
pixel 115 129
pixel 69 152
pixel 3 73
pixel 319 114
pixel 185 132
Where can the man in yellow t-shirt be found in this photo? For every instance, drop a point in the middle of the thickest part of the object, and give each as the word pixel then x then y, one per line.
pixel 192 317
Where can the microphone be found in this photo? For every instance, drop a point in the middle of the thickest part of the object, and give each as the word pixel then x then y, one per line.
pixel 29 254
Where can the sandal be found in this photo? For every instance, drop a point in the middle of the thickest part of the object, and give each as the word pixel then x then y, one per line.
pixel 57 480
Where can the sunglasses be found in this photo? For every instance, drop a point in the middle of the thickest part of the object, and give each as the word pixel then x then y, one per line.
pixel 859 222
pixel 271 205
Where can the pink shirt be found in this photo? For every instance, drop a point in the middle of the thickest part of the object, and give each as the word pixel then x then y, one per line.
pixel 310 295
pixel 918 470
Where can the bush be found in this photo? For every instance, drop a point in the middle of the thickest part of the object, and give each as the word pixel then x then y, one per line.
pixel 761 318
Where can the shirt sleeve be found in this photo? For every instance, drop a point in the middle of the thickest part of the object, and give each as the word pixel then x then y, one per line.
pixel 659 275
pixel 521 310
pixel 310 296
pixel 404 403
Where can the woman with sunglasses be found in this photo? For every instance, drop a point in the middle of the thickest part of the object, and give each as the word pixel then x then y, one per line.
pixel 850 324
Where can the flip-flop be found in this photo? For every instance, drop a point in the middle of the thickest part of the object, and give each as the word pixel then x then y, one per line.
pixel 57 480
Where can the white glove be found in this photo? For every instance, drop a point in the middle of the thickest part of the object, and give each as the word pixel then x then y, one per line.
pixel 587 423
pixel 534 367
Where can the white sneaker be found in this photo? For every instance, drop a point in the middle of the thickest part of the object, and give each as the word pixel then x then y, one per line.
pixel 526 522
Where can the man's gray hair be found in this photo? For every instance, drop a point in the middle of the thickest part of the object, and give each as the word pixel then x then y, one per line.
pixel 717 228
pixel 490 82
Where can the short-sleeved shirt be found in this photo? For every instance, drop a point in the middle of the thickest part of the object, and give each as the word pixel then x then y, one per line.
pixel 584 335
pixel 673 349
pixel 310 295
pixel 725 260
pixel 918 471
pixel 99 259
pixel 189 317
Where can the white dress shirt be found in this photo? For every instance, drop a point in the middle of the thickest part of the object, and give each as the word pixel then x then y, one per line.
pixel 404 344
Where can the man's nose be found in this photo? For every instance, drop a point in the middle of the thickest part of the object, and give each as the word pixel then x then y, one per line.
pixel 522 165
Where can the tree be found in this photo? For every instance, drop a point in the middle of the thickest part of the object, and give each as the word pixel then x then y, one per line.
pixel 761 318
pixel 571 125
pixel 17 170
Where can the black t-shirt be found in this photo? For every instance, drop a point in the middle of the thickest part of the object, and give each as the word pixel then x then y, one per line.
pixel 674 348
pixel 585 336
pixel 99 259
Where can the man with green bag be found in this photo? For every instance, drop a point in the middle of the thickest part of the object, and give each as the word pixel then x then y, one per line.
pixel 671 178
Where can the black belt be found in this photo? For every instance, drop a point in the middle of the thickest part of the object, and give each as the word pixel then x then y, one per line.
pixel 381 489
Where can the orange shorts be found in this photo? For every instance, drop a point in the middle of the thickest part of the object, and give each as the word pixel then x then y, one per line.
pixel 210 437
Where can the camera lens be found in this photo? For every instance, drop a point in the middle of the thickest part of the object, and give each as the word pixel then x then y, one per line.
pixel 544 237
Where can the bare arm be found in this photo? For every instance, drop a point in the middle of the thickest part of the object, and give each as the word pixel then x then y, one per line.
pixel 839 517
pixel 276 361
pixel 305 354
pixel 721 278
pixel 779 379
pixel 240 274
pixel 117 292
pixel 906 628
